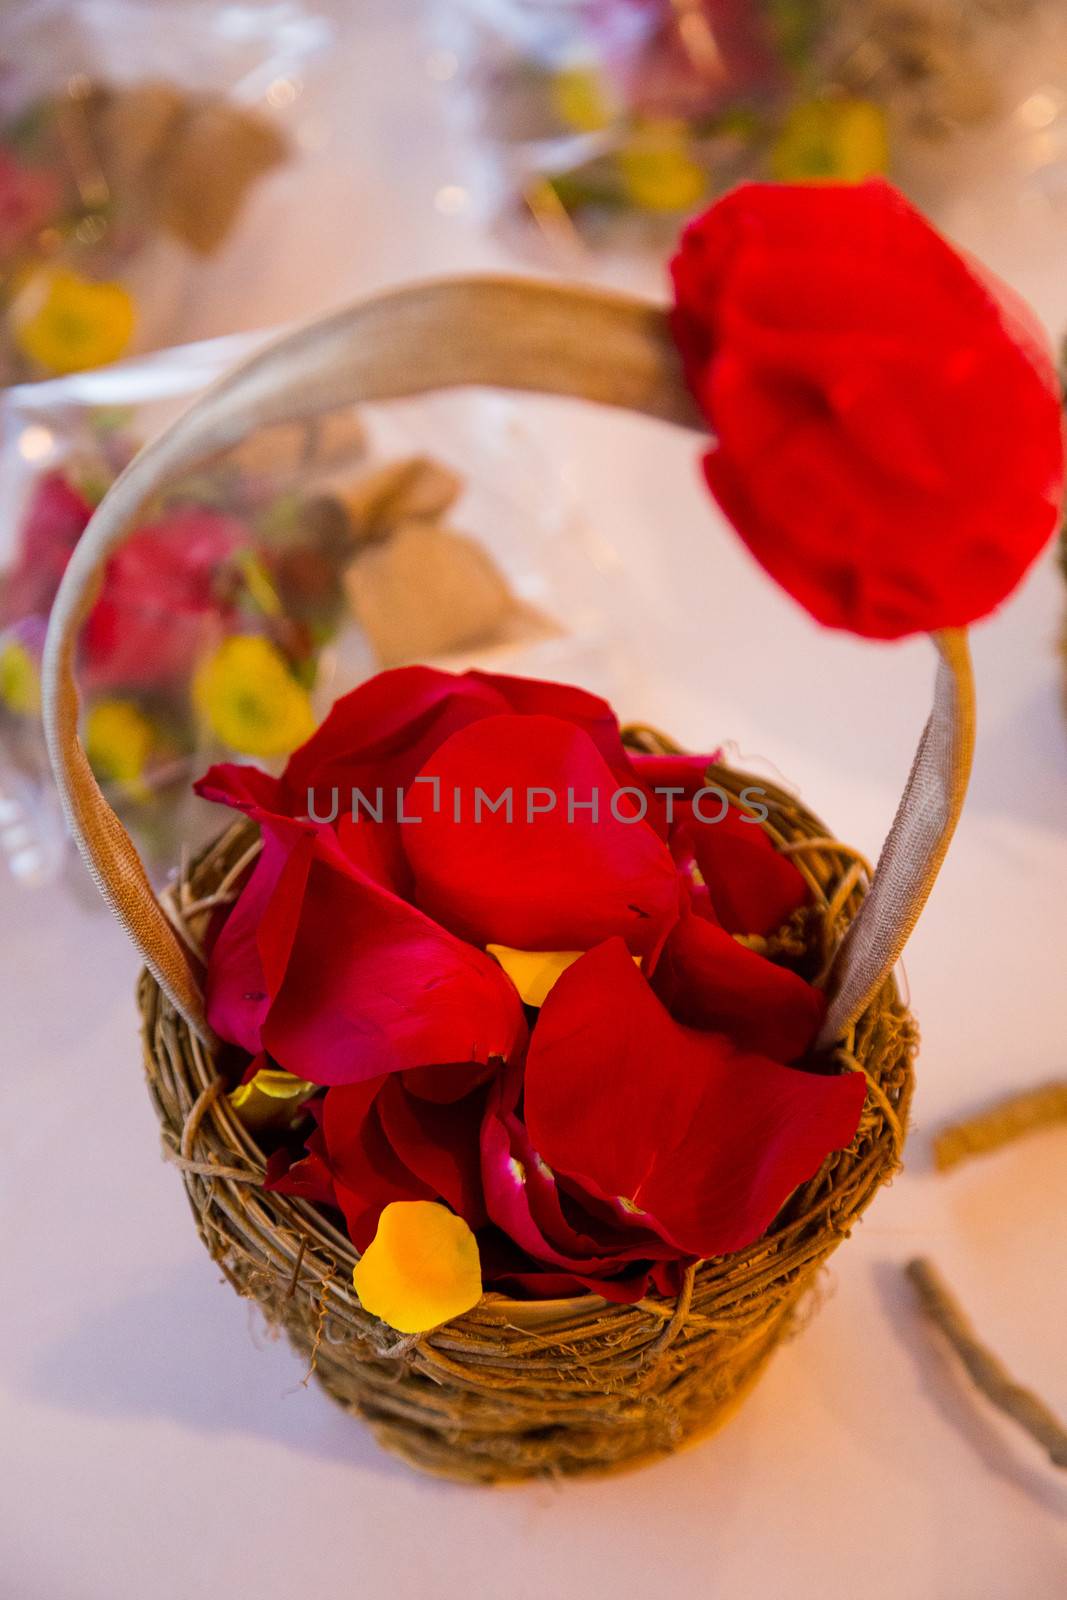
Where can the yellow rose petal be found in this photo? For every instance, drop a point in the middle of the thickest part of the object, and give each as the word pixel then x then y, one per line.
pixel 66 323
pixel 838 141
pixel 535 972
pixel 250 700
pixel 421 1268
pixel 20 681
pixel 270 1099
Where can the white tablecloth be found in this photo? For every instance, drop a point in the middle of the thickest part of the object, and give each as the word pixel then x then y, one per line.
pixel 157 1444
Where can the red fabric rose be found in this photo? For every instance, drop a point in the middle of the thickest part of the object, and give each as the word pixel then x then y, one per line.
pixel 888 435
pixel 359 955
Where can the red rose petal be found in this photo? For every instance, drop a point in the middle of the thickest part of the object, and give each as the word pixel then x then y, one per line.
pixel 541 882
pixel 342 1120
pixel 523 1199
pixel 383 731
pixel 512 1272
pixel 751 887
pixel 443 1084
pixel 371 1178
pixel 709 981
pixel 308 1178
pixel 534 697
pixel 349 772
pixel 707 1140
pixel 280 917
pixel 374 986
pixel 440 1143
pixel 242 788
pixel 681 775
pixel 376 739
pixel 366 1172
pixel 237 991
pixel 624 1290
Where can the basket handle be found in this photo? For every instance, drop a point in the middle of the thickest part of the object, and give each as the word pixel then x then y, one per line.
pixel 508 333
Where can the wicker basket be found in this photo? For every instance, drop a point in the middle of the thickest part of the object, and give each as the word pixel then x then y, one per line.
pixel 513 1388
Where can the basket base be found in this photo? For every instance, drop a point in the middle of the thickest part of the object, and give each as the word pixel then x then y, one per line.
pixel 477 1454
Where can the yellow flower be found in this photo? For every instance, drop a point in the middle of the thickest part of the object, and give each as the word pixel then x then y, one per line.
pixel 658 173
pixel 535 972
pixel 421 1268
pixel 838 140
pixel 64 323
pixel 20 681
pixel 270 1099
pixel 579 99
pixel 250 699
pixel 118 742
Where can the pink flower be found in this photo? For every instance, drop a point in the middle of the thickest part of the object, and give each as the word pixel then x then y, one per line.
pixel 29 197
pixel 55 518
pixel 165 600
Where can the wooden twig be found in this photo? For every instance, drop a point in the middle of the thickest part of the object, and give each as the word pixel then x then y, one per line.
pixel 1008 1119
pixel 986 1370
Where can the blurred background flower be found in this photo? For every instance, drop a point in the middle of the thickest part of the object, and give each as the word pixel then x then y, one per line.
pixel 132 139
pixel 612 119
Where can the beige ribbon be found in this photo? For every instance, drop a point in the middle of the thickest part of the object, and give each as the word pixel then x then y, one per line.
pixel 505 333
